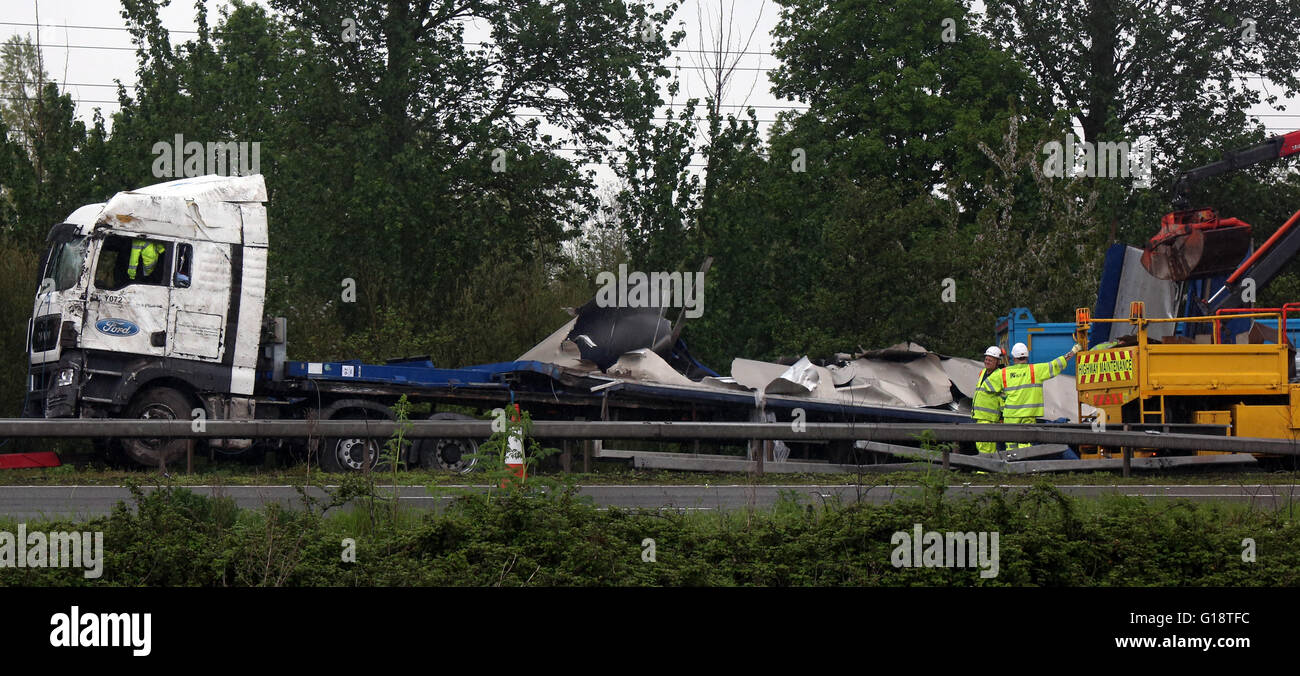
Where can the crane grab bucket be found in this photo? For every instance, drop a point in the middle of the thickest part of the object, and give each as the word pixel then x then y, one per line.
pixel 1196 244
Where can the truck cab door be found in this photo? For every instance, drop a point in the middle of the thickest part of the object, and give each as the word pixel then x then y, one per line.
pixel 125 313
pixel 200 298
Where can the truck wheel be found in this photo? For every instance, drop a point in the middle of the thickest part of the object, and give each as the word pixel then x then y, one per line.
pixel 452 454
pixel 157 403
pixel 350 455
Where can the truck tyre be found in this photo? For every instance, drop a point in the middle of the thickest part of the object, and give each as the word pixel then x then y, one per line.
pixel 449 454
pixel 350 455
pixel 157 403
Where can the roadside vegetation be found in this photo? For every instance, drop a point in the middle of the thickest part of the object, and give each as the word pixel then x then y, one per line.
pixel 527 537
pixel 541 532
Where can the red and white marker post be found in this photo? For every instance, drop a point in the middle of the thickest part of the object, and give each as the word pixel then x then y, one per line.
pixel 515 449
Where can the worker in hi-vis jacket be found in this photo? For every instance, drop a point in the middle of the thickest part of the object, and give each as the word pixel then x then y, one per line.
pixel 144 254
pixel 987 405
pixel 1021 385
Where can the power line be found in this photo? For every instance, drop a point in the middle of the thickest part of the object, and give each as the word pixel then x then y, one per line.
pixel 74 84
pixel 723 105
pixel 530 115
pixel 133 49
pixel 33 98
pixel 698 119
pixel 195 33
pixel 121 49
pixel 97 28
pixel 674 67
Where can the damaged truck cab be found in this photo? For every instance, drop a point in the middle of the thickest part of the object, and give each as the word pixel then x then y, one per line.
pixel 150 306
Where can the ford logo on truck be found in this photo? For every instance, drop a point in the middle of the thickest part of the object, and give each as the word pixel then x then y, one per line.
pixel 116 327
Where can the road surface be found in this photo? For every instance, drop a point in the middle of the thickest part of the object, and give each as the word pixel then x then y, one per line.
pixel 34 502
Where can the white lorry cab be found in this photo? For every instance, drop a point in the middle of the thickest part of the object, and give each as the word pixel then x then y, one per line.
pixel 150 306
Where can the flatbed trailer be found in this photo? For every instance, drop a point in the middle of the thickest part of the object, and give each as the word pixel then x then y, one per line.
pixel 548 392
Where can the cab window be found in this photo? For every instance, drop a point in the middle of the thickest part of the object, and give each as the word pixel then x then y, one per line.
pixel 126 260
pixel 184 254
pixel 68 263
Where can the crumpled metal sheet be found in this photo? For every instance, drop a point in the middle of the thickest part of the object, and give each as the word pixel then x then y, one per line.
pixel 1159 295
pixel 801 378
pixel 644 365
pixel 555 349
pixel 904 375
pixel 872 393
pixel 916 379
pixel 603 334
pixel 727 383
pixel 757 375
pixel 964 373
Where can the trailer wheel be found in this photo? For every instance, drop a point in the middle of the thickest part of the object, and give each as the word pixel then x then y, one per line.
pixel 350 455
pixel 157 403
pixel 452 454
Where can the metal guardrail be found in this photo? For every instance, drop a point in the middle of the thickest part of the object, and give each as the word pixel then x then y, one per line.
pixel 1036 434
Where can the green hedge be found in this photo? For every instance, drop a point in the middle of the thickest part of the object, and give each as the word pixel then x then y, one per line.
pixel 174 537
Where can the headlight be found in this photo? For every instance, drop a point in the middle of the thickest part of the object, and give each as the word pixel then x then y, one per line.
pixel 66 377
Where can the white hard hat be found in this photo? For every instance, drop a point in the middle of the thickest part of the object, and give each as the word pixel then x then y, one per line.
pixel 995 352
pixel 1019 351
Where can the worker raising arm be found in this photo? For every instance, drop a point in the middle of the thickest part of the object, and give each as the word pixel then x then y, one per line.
pixel 1021 384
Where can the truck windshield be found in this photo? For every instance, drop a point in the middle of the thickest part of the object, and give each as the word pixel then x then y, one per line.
pixel 67 260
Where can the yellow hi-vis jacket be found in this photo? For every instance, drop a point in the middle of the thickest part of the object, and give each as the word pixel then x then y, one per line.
pixel 988 402
pixel 1022 385
pixel 145 254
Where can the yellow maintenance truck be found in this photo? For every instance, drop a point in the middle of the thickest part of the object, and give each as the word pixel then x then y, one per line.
pixel 1205 374
pixel 1247 386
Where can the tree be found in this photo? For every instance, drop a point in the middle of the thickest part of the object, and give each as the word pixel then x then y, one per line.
pixel 43 172
pixel 719 53
pixel 823 236
pixel 1144 67
pixel 22 76
pixel 902 91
